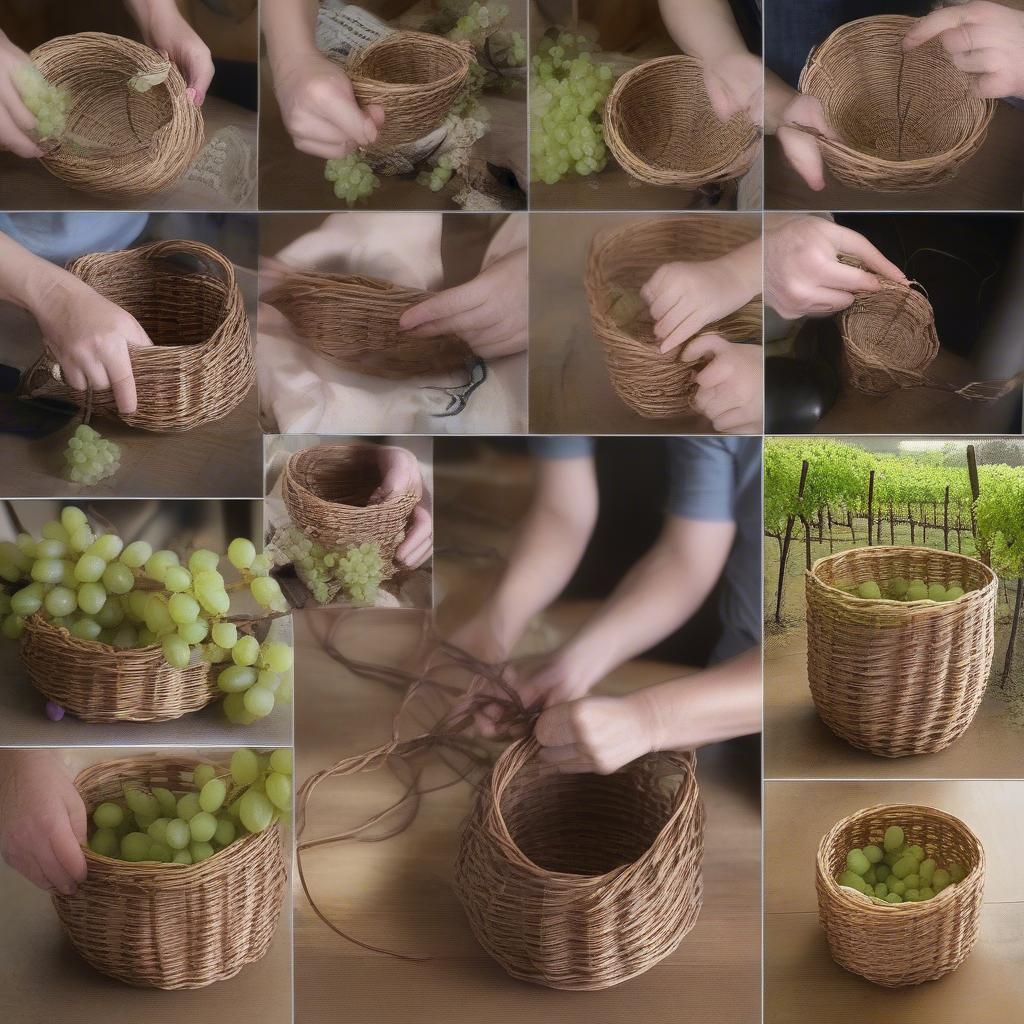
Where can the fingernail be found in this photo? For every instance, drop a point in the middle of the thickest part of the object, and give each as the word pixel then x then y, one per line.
pixel 191 94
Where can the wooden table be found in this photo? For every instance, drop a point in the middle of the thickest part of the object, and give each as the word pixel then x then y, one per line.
pixel 803 983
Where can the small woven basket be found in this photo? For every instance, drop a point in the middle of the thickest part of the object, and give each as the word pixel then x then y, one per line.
pixel 326 489
pixel 656 385
pixel 661 127
pixel 97 683
pixel 908 120
pixel 908 943
pixel 353 320
pixel 184 295
pixel 172 926
pixel 582 882
pixel 124 143
pixel 414 77
pixel 899 678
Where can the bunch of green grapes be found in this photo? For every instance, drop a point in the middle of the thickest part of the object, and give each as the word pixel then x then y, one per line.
pixel 153 824
pixel 567 91
pixel 477 22
pixel 46 102
pixel 353 178
pixel 361 570
pixel 436 177
pixel 357 570
pixel 899 589
pixel 897 872
pixel 89 458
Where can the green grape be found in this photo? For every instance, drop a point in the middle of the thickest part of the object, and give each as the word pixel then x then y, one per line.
pixel 88 459
pixel 246 650
pixel 268 680
pixel 281 761
pixel 245 768
pixel 107 546
pixel 202 826
pixel 86 629
pixel 212 795
pixel 277 657
pixel 241 552
pixel 882 872
pixel 47 570
pixel 108 815
pixel 215 655
pixel 126 638
pixel 265 590
pixel 926 870
pixel 89 568
pixel 136 846
pixel 869 591
pixel 48 549
pixel 105 842
pixel 917 852
pixel 141 802
pixel 912 881
pixel 203 560
pixel 72 518
pixel 177 835
pixel 79 539
pixel 279 790
pixel 177 579
pixel 111 615
pixel 158 618
pixel 255 811
pixel 956 872
pixel 91 598
pixel 181 857
pixel 261 565
pixel 234 709
pixel 925 893
pixel 911 896
pixel 852 880
pixel 893 838
pixel 166 800
pixel 194 633
pixel 235 679
pixel 200 851
pixel 136 554
pixel 225 833
pixel 352 177
pixel 188 806
pixel 857 862
pixel 12 627
pixel 225 634
pixel 897 886
pixel 177 653
pixel 904 866
pixel 881 890
pixel 117 578
pixel 53 530
pixel 954 592
pixel 47 103
pixel 203 774
pixel 157 830
pixel 28 600
pixel 158 563
pixel 160 852
pixel 893 898
pixel 183 608
pixel 258 701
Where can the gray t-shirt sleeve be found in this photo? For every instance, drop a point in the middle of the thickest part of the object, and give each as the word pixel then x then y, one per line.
pixel 702 479
pixel 563 447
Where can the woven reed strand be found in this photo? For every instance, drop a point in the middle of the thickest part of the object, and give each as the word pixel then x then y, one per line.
pixel 415 77
pixel 908 120
pixel 661 127
pixel 353 320
pixel 325 490
pixel 135 143
pixel 653 384
pixel 899 678
pixel 173 926
pixel 97 683
pixel 201 363
pixel 581 882
pixel 909 943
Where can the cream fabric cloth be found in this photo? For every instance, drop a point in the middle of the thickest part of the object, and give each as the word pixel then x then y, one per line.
pixel 304 393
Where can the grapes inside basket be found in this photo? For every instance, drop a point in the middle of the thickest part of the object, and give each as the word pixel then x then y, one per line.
pixel 900 589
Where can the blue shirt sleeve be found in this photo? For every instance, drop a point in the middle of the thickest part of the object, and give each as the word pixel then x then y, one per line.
pixel 702 478
pixel 563 447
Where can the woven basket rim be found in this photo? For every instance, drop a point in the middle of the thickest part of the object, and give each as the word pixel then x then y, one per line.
pixel 394 500
pixel 37 621
pixel 405 35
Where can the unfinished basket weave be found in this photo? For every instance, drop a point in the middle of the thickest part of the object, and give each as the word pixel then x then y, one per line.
pixel 661 127
pixel 582 882
pixel 120 143
pixel 656 385
pixel 908 943
pixel 98 683
pixel 353 320
pixel 185 297
pixel 414 77
pixel 899 678
pixel 907 119
pixel 326 489
pixel 173 926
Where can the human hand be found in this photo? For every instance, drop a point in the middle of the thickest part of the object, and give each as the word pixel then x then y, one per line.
pixel 801 149
pixel 802 272
pixel 42 820
pixel 400 474
pixel 735 84
pixel 730 389
pixel 17 122
pixel 489 312
pixel 984 39
pixel 164 29
pixel 483 637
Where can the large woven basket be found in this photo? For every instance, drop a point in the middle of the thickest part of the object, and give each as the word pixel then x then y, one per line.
pixel 326 489
pixel 185 297
pixel 908 943
pixel 414 77
pixel 353 320
pixel 653 384
pixel 661 127
pixel 97 683
pixel 907 119
pixel 123 143
pixel 582 882
pixel 173 926
pixel 899 678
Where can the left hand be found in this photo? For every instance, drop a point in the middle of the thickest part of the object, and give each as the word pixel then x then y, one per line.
pixel 167 31
pixel 400 474
pixel 730 388
pixel 984 39
pixel 735 84
pixel 488 313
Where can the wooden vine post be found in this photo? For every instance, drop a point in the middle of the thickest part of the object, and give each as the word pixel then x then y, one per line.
pixel 972 472
pixel 871 500
pixel 787 539
pixel 945 521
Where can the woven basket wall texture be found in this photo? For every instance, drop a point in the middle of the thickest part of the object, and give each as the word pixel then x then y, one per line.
pixel 173 926
pixel 581 882
pixel 124 143
pixel 656 385
pixel 908 943
pixel 899 678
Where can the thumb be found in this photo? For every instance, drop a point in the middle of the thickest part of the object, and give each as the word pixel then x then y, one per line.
pixel 802 152
pixel 722 102
pixel 554 727
pixel 703 347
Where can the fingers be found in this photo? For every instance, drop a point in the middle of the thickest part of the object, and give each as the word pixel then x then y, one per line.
pixel 569 760
pixel 804 155
pixel 12 138
pixel 448 303
pixel 650 290
pixel 707 345
pixel 68 853
pixel 716 372
pixel 200 70
pixel 855 244
pixel 476 319
pixel 736 421
pixel 934 24
pixel 56 875
pixel 376 114
pixel 415 548
pixel 993 86
pixel 122 380
pixel 850 279
pixel 325 150
pixel 555 728
pixel 828 300
pixel 487 346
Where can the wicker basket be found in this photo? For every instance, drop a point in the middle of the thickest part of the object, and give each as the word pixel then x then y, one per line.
pixel 661 127
pixel 908 943
pixel 124 143
pixel 899 678
pixel 173 926
pixel 185 297
pixel 653 384
pixel 97 683
pixel 325 490
pixel 582 882
pixel 414 77
pixel 908 120
pixel 353 320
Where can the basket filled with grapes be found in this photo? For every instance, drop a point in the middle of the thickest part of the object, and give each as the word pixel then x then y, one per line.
pixel 655 384
pixel 127 127
pixel 900 642
pixel 899 893
pixel 186 875
pixel 414 77
pixel 661 127
pixel 591 906
pixel 185 296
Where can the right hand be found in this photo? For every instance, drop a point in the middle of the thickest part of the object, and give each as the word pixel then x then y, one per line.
pixel 802 272
pixel 42 820
pixel 320 109
pixel 481 637
pixel 17 122
pixel 802 150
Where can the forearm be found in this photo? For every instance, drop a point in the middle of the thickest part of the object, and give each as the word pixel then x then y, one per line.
pixel 289 27
pixel 777 96
pixel 702 28
pixel 745 267
pixel 146 12
pixel 28 281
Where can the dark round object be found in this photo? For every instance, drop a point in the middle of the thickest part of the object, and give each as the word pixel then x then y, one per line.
pixel 797 394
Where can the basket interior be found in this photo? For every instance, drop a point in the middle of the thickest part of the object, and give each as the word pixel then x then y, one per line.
pixel 893 325
pixel 346 476
pixel 884 564
pixel 104 782
pixel 407 62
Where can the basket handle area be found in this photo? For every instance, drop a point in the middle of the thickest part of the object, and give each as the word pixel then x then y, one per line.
pixel 195 257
